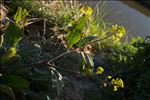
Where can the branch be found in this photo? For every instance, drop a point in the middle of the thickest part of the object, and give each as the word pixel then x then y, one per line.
pixel 60 56
pixel 48 62
pixel 78 48
pixel 66 70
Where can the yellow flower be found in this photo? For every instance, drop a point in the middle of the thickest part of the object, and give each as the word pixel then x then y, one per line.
pixel 119 35
pixel 88 11
pixel 114 27
pixel 100 70
pixel 115 88
pixel 115 38
pixel 119 32
pixel 82 11
pixel 117 83
pixel 109 77
pixel 11 52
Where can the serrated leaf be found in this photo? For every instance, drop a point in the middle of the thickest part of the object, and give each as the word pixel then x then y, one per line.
pixel 16 81
pixel 86 40
pixel 7 90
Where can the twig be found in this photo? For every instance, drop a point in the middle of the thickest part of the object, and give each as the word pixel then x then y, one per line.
pixel 66 70
pixel 60 56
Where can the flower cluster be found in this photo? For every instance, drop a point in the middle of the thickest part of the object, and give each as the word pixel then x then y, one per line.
pixel 117 83
pixel 87 11
pixel 119 32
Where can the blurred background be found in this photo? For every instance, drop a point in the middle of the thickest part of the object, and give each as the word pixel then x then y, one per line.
pixel 134 15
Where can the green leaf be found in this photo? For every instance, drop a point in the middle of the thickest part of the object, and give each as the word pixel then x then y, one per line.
pixel 90 59
pixel 75 35
pixel 16 81
pixel 81 23
pixel 73 38
pixel 86 40
pixel 57 80
pixel 17 16
pixel 83 57
pixel 14 34
pixel 7 90
pixel 38 74
pixel 20 15
pixel 30 50
pixel 83 62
